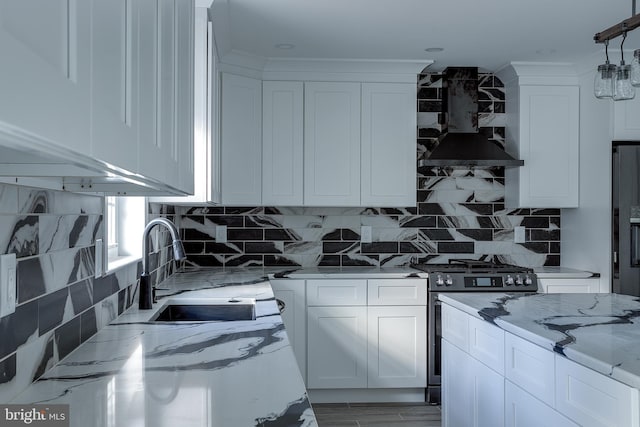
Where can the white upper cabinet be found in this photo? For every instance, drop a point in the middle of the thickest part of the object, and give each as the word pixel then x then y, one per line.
pixel 282 143
pixel 150 152
pixel 388 144
pixel 332 144
pixel 625 119
pixel 113 104
pixel 100 94
pixel 44 77
pixel 184 75
pixel 241 140
pixel 543 102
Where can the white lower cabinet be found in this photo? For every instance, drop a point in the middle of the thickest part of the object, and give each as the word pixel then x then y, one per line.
pixel 472 393
pixel 293 294
pixel 538 388
pixel 524 410
pixel 353 343
pixel 397 346
pixel 337 347
pixel 592 399
pixel 589 285
pixel 456 396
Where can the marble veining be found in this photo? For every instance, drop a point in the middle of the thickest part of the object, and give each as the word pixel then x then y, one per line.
pixel 599 331
pixel 189 374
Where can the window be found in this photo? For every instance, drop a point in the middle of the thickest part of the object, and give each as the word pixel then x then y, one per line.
pixel 125 219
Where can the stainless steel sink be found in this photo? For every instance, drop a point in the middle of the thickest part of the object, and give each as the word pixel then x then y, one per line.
pixel 207 310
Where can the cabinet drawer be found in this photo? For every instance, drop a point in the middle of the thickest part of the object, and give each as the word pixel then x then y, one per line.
pixel 592 399
pixel 555 286
pixel 397 292
pixel 336 292
pixel 530 367
pixel 486 343
pixel 455 327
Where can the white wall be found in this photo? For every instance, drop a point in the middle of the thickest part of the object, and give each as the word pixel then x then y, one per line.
pixel 586 235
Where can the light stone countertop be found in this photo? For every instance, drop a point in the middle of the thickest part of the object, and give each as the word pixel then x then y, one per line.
pixel 219 374
pixel 599 331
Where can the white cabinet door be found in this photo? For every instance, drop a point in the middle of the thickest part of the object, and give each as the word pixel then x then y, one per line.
pixel 166 103
pixel 282 143
pixel 294 316
pixel 332 144
pixel 388 144
pixel 337 347
pixel 587 285
pixel 151 154
pixel 114 123
pixel 487 396
pixel 184 45
pixel 548 142
pixel 530 367
pixel 397 349
pixel 592 399
pixel 241 140
pixel 456 392
pixel 625 119
pixel 45 77
pixel 524 410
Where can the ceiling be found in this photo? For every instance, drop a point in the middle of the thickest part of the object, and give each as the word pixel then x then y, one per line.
pixel 487 34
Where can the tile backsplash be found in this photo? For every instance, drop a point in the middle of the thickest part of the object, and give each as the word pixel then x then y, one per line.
pixel 60 304
pixel 460 213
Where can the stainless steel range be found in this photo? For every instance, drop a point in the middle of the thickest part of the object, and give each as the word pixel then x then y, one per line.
pixel 464 275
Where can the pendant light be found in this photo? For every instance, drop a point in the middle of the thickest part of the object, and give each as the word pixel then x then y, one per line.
pixel 622 88
pixel 603 83
pixel 625 77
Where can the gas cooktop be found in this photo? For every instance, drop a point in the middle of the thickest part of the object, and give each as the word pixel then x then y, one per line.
pixel 478 276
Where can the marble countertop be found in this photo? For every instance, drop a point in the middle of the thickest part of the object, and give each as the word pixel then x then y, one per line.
pixel 599 331
pixel 350 273
pixel 563 273
pixel 219 374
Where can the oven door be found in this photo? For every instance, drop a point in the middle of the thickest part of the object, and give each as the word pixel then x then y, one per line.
pixel 434 340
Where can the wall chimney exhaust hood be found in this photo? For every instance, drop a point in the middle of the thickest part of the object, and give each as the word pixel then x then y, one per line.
pixel 462 145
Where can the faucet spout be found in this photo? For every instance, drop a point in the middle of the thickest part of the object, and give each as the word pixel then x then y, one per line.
pixel 145 301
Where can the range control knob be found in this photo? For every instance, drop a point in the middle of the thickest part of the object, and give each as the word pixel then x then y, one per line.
pixel 509 280
pixel 439 280
pixel 519 280
pixel 528 281
pixel 449 280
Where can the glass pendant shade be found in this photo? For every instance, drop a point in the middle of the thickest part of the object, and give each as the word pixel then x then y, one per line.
pixel 603 83
pixel 622 83
pixel 635 68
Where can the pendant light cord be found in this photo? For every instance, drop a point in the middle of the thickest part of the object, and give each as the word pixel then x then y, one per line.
pixel 606 51
pixel 624 37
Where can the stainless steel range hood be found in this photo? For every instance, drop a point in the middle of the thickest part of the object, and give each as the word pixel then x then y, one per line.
pixel 462 145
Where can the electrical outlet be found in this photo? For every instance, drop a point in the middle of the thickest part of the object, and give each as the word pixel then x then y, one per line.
pixel 519 235
pixel 7 284
pixel 99 258
pixel 221 234
pixel 365 234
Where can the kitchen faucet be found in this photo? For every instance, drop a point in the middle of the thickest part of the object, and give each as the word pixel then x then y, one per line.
pixel 145 301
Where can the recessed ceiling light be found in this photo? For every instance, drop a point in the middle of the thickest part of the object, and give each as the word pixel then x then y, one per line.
pixel 285 46
pixel 434 49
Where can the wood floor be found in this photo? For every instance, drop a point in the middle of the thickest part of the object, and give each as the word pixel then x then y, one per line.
pixel 377 414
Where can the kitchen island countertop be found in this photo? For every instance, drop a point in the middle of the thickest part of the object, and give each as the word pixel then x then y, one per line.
pixel 599 331
pixel 136 372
